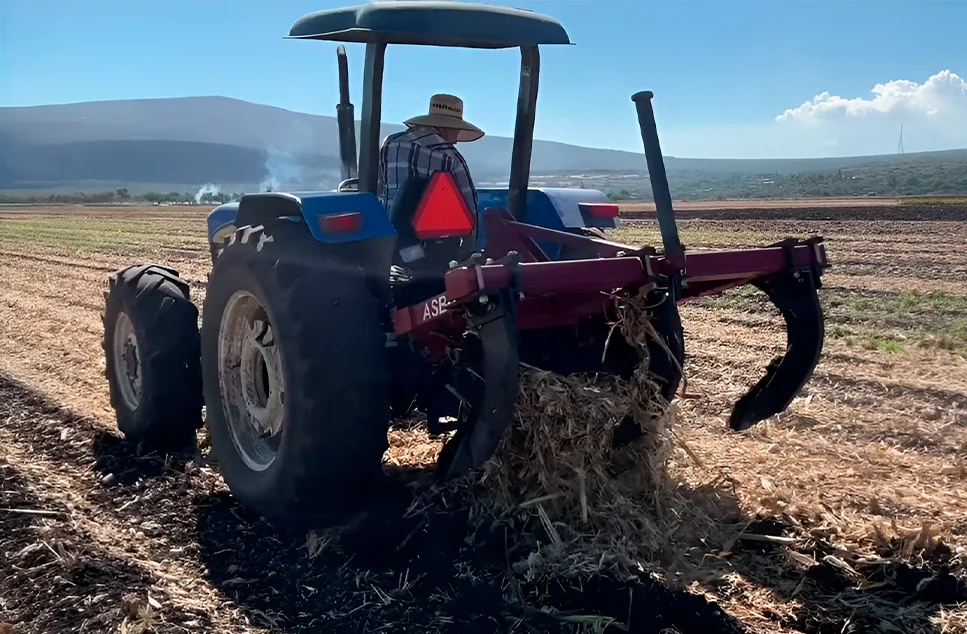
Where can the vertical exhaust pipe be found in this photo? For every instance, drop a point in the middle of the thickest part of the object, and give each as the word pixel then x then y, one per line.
pixel 345 119
pixel 674 251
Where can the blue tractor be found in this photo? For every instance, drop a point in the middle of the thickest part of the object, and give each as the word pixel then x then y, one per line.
pixel 316 334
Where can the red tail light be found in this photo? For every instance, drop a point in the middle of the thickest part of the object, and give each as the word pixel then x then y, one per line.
pixel 442 211
pixel 605 211
pixel 342 223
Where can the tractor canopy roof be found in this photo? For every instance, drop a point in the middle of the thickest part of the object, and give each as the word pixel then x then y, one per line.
pixel 432 23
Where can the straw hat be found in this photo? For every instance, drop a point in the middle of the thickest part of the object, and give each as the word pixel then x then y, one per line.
pixel 446 111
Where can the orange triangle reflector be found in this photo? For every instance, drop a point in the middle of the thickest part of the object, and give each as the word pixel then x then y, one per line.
pixel 442 211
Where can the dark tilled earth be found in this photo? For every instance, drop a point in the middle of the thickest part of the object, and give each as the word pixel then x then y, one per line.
pixel 94 537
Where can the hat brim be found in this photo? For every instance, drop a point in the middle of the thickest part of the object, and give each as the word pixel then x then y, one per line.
pixel 467 131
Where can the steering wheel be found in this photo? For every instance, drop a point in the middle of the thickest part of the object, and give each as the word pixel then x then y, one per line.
pixel 348 185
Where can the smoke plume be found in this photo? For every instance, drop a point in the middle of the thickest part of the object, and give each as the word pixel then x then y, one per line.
pixel 207 188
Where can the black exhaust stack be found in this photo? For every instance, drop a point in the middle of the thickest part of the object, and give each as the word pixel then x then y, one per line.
pixel 674 250
pixel 345 118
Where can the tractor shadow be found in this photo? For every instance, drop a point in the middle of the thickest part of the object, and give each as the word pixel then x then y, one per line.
pixel 422 572
pixel 421 567
pixel 439 568
pixel 832 598
pixel 124 463
pixel 51 567
pixel 444 570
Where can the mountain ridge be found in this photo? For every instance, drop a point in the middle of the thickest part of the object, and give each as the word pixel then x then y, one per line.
pixel 203 139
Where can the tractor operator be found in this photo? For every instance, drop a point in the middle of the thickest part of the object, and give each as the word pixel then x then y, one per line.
pixel 427 146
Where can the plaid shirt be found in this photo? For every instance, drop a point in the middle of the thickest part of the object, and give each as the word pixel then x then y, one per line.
pixel 420 152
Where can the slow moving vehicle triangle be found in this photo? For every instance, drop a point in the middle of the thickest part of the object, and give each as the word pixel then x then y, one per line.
pixel 443 211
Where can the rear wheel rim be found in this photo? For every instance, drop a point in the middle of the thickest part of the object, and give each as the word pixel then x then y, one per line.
pixel 251 381
pixel 127 361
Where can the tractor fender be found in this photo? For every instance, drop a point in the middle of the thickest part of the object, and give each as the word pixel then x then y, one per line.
pixel 309 207
pixel 221 223
pixel 551 207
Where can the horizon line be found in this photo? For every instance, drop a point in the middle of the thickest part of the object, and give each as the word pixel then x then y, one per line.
pixel 574 145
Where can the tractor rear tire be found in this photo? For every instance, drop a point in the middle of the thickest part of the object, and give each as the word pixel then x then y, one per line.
pixel 302 434
pixel 152 354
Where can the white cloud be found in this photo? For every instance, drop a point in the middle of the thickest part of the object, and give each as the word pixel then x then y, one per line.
pixel 942 95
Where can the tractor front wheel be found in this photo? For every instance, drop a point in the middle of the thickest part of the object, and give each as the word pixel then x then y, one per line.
pixel 152 350
pixel 295 378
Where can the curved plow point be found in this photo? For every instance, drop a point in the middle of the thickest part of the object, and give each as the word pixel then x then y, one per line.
pixel 794 294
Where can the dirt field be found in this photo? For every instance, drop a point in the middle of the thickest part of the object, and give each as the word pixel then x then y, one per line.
pixel 861 484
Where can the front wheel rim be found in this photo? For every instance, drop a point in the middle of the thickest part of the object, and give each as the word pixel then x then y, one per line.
pixel 251 381
pixel 127 361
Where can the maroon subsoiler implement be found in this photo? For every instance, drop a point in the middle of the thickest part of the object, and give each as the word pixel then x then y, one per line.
pixel 537 294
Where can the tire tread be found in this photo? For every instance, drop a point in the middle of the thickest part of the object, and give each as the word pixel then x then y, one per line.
pixel 159 306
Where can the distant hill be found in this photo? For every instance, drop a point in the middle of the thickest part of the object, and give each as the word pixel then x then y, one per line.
pixel 190 141
pixel 130 161
pixel 290 147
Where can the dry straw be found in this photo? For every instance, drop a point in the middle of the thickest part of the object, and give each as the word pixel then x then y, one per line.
pixel 593 506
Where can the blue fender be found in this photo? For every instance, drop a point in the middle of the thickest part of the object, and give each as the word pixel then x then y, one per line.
pixel 310 207
pixel 221 222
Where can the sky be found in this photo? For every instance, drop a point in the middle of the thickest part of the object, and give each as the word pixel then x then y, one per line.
pixel 732 78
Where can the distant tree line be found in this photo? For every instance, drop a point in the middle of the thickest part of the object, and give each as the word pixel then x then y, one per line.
pixel 908 178
pixel 122 195
pixel 116 196
pixel 206 199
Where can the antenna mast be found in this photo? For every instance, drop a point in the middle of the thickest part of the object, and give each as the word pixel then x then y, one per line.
pixel 899 147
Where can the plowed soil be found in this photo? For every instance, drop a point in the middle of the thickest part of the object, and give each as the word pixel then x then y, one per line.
pixel 853 502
